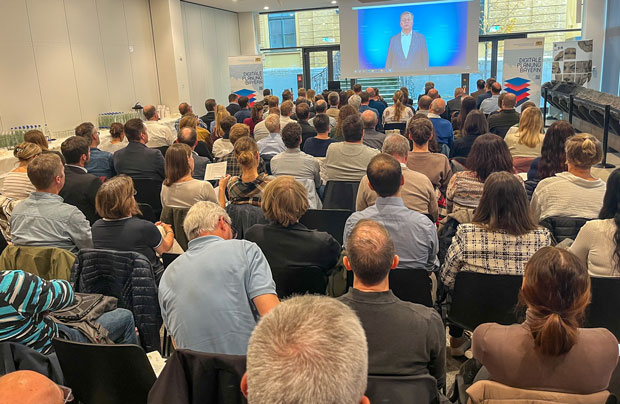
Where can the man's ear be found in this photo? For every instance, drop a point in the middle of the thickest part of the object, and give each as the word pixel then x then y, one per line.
pixel 365 400
pixel 346 262
pixel 402 180
pixel 395 261
pixel 244 385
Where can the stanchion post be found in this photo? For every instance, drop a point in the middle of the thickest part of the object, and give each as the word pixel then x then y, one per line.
pixel 545 92
pixel 570 108
pixel 604 163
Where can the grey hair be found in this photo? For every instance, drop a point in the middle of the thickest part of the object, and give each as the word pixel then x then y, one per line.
pixel 355 101
pixel 396 145
pixel 308 349
pixel 203 217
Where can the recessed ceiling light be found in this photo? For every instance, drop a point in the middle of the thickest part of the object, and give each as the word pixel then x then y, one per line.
pixel 266 8
pixel 334 2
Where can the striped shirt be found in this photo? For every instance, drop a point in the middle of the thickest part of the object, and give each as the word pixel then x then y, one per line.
pixel 17 185
pixel 25 300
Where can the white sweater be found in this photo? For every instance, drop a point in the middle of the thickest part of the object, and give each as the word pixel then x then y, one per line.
pixel 595 247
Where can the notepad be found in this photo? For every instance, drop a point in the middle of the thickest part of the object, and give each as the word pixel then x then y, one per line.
pixel 215 171
pixel 157 362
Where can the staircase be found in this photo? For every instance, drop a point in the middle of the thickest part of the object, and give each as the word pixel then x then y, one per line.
pixel 386 85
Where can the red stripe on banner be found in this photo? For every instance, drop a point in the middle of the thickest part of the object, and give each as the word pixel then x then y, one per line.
pixel 517 88
pixel 522 96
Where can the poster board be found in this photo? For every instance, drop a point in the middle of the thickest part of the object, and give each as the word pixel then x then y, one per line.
pixel 246 77
pixel 572 61
pixel 523 62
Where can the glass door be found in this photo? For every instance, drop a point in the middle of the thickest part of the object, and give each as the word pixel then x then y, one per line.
pixel 319 66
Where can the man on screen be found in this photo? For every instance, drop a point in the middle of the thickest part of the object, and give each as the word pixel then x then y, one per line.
pixel 407 49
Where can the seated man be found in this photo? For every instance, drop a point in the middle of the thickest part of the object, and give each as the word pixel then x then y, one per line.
pixel 211 296
pixel 372 138
pixel 159 135
pixel 317 146
pixel 347 161
pixel 506 118
pixel 309 349
pixel 414 235
pixel 101 163
pixel 293 161
pixel 184 109
pixel 136 160
pixel 272 144
pixel 43 219
pixel 80 187
pixel 233 168
pixel 25 302
pixel 418 193
pixel 189 137
pixel 443 127
pixel 319 108
pixel 28 387
pixel 403 338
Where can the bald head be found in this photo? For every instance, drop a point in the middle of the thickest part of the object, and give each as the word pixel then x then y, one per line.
pixel 28 387
pixel 425 102
pixel 185 108
pixel 509 101
pixel 371 91
pixel 369 118
pixel 433 93
pixel 150 113
pixel 438 106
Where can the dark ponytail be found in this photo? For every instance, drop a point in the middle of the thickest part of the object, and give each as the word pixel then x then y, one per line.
pixel 611 210
pixel 556 291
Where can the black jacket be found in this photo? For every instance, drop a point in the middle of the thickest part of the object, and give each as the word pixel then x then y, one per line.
pixel 191 377
pixel 307 131
pixel 462 146
pixel 233 108
pixel 452 106
pixel 208 118
pixel 502 121
pixel 138 161
pixel 127 276
pixel 80 190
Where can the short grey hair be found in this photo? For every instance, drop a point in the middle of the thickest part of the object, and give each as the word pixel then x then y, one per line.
pixel 355 101
pixel 203 217
pixel 308 349
pixel 396 145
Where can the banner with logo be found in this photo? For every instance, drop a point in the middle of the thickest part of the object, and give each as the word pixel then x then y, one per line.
pixel 246 77
pixel 572 61
pixel 523 62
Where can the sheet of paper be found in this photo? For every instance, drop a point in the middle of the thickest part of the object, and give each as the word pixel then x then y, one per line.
pixel 157 362
pixel 215 171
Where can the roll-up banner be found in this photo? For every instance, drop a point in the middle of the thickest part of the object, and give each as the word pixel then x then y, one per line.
pixel 246 76
pixel 523 63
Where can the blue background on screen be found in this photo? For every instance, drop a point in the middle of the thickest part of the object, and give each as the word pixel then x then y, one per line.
pixel 443 25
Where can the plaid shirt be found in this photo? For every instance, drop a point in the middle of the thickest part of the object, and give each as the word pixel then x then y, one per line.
pixel 240 193
pixel 233 168
pixel 476 249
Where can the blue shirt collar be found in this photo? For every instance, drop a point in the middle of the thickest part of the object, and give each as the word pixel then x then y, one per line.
pixel 45 195
pixel 201 241
pixel 390 200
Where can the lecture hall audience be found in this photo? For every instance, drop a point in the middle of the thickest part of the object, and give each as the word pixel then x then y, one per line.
pixel 343 113
pixel 233 168
pixel 159 135
pixel 37 137
pixel 116 140
pixel 101 163
pixel 16 184
pixel 317 146
pixel 136 160
pixel 552 158
pixel 475 125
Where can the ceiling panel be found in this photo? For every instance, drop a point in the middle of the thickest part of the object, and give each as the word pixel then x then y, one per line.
pixel 259 5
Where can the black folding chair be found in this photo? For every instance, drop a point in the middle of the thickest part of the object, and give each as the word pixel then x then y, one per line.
pixel 169 258
pixel 149 192
pixel 331 221
pixel 298 281
pixel 401 126
pixel 412 285
pixel 105 374
pixel 147 212
pixel 603 309
pixel 484 298
pixel 340 195
pixel 416 389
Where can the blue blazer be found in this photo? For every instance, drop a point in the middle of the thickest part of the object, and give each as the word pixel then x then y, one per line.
pixel 417 58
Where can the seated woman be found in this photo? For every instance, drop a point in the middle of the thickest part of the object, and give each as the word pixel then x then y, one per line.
pixel 475 125
pixel 488 154
pixel 573 193
pixel 598 243
pixel 528 141
pixel 256 117
pixel 180 190
pixel 247 188
pixel 468 104
pixel 203 135
pixel 223 146
pixel 398 112
pixel 344 112
pixel 549 351
pixel 285 242
pixel 500 240
pixel 16 184
pixel 121 231
pixel 116 140
pixel 37 137
pixel 215 128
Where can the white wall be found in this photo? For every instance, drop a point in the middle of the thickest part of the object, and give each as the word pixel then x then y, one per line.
pixel 64 61
pixel 211 36
pixel 593 27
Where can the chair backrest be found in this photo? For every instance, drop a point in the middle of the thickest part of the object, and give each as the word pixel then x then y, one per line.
pixel 563 227
pixel 291 281
pixel 331 221
pixel 340 195
pixel 522 164
pixel 412 285
pixel 45 262
pixel 418 389
pixel 401 126
pixel 603 309
pixel 484 298
pixel 147 212
pixel 175 217
pixel 149 191
pixel 105 374
pixel 487 391
pixel 169 258
pixel 244 216
pixel 163 150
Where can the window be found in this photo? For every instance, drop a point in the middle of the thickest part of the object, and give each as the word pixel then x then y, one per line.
pixel 282 30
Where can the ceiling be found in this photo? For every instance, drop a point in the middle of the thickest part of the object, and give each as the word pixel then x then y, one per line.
pixel 258 5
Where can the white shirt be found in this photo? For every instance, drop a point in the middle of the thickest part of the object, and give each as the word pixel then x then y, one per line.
pixel 405 41
pixel 260 131
pixel 159 135
pixel 285 120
